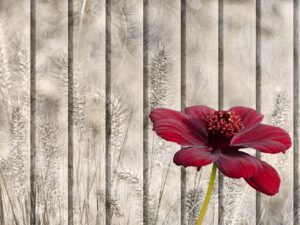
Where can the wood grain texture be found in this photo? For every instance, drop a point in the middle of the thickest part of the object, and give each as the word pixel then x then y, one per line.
pixel 126 112
pixel 296 169
pixel 277 101
pixel 239 90
pixel 164 91
pixel 202 89
pixel 14 113
pixel 89 113
pixel 51 112
pixel 180 63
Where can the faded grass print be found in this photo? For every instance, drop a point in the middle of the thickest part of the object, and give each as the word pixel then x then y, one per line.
pixel 89 102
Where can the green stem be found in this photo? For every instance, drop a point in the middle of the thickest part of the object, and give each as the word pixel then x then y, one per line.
pixel 208 195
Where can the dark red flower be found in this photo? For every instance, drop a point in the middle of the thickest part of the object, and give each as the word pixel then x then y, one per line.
pixel 209 136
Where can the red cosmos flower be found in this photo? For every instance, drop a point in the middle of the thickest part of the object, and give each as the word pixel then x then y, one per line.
pixel 209 136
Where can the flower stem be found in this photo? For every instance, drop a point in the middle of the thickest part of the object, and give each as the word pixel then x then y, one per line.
pixel 208 195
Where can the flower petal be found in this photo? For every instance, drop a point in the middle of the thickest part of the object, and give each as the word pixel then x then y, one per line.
pixel 198 111
pixel 196 115
pixel 266 181
pixel 163 113
pixel 263 138
pixel 175 126
pixel 249 117
pixel 195 157
pixel 238 164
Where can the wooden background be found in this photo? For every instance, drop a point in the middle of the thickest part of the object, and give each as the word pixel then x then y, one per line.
pixel 78 79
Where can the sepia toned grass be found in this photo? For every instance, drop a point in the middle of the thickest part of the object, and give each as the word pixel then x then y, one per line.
pixel 88 107
pixel 194 199
pixel 14 177
pixel 159 78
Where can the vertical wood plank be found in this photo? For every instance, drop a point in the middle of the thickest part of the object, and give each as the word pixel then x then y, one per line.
pixel 108 109
pixel 15 112
pixel 126 107
pixel 146 112
pixel 277 101
pixel 183 102
pixel 202 89
pixel 32 50
pixel 239 90
pixel 258 89
pixel 70 103
pixel 52 112
pixel 220 94
pixel 296 169
pixel 164 91
pixel 89 112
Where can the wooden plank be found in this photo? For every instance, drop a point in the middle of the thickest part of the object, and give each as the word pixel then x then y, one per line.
pixel 89 113
pixel 296 168
pixel 239 90
pixel 15 112
pixel 126 149
pixel 277 101
pixel 202 89
pixel 51 112
pixel 164 91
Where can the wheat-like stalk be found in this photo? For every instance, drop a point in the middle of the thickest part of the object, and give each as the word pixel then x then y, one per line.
pixel 119 119
pixel 124 175
pixel 5 73
pixel 17 171
pixel 115 207
pixel 19 63
pixel 48 144
pixel 279 115
pixel 48 197
pixel 14 97
pixel 60 73
pixel 21 55
pixel 193 200
pixel 279 118
pixel 233 192
pixel 130 179
pixel 113 203
pixel 159 78
pixel 14 170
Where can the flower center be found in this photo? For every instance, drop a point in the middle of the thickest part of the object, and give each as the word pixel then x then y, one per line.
pixel 223 123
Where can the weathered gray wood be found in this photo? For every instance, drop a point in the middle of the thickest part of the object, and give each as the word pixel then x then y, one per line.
pixel 202 89
pixel 126 107
pixel 239 90
pixel 51 112
pixel 89 112
pixel 126 112
pixel 14 112
pixel 277 103
pixel 164 91
pixel 296 169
